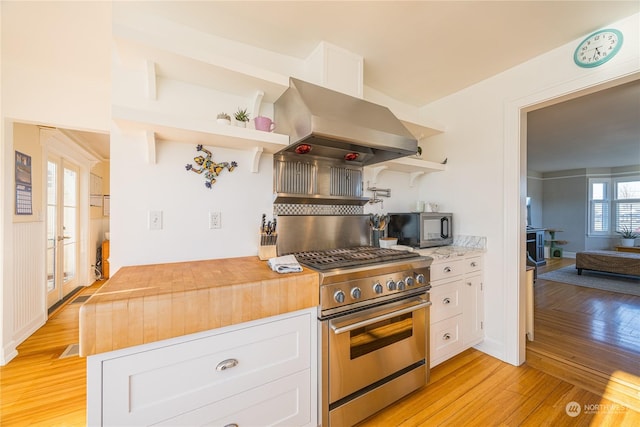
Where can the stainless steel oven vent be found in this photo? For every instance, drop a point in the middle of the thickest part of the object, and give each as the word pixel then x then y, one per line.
pixel 294 177
pixel 316 180
pixel 346 182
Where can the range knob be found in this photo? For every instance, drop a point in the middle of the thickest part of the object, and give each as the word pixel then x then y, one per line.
pixel 400 285
pixel 391 285
pixel 377 288
pixel 421 279
pixel 338 296
pixel 409 281
pixel 356 293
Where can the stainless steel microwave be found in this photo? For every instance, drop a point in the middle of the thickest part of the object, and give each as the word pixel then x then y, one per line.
pixel 421 229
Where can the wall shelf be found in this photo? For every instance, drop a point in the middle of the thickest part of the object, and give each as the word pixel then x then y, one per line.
pixel 415 167
pixel 189 63
pixel 422 131
pixel 194 131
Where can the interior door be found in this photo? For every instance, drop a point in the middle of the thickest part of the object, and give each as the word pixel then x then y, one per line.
pixel 62 228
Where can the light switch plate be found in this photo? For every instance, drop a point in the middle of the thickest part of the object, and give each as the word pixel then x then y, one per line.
pixel 155 220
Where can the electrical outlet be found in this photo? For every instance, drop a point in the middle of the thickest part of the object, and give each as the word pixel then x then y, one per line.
pixel 155 220
pixel 215 220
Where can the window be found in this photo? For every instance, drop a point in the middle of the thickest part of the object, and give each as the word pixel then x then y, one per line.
pixel 599 219
pixel 627 204
pixel 613 205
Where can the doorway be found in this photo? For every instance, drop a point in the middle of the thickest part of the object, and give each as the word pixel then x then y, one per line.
pixel 63 221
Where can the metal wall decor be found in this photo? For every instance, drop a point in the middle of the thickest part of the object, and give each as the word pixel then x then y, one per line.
pixel 210 168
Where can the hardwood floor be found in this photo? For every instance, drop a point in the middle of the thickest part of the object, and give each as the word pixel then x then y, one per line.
pixel 587 336
pixel 39 389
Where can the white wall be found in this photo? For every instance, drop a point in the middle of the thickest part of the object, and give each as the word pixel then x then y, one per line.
pixel 240 196
pixel 485 182
pixel 55 70
pixel 56 63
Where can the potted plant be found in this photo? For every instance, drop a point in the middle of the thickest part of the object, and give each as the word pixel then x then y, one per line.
pixel 242 117
pixel 419 153
pixel 224 119
pixel 628 236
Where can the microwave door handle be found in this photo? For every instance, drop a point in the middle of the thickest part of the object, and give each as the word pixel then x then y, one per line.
pixel 444 231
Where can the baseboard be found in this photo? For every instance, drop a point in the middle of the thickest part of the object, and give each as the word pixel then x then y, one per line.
pixel 8 353
pixel 492 348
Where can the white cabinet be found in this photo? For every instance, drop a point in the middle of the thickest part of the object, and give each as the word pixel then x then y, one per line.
pixel 473 302
pixel 457 310
pixel 257 373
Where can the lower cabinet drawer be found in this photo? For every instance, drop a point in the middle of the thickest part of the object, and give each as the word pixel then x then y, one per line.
pixel 446 300
pixel 150 386
pixel 446 269
pixel 284 402
pixel 445 339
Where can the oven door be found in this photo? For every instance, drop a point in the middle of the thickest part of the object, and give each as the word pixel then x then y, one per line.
pixel 372 344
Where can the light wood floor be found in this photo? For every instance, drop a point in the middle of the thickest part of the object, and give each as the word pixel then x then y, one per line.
pixel 587 336
pixel 39 389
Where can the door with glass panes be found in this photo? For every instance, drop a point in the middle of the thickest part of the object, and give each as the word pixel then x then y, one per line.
pixel 62 228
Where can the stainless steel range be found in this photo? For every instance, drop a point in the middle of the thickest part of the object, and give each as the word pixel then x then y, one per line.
pixel 374 321
pixel 374 303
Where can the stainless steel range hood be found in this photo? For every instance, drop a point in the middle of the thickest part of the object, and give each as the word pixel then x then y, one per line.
pixel 325 123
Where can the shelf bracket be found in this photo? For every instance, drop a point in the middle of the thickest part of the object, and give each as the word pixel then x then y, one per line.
pixel 151 147
pixel 376 172
pixel 151 87
pixel 255 161
pixel 257 101
pixel 414 176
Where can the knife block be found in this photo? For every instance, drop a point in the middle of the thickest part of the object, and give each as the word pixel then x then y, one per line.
pixel 267 248
pixel 267 251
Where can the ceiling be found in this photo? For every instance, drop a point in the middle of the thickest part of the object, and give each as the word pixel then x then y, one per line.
pixel 415 51
pixel 601 129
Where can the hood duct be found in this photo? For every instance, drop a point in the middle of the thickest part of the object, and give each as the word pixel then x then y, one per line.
pixel 324 123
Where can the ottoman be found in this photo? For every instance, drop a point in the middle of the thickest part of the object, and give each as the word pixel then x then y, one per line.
pixel 609 262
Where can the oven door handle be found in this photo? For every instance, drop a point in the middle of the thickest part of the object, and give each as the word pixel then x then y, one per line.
pixel 338 330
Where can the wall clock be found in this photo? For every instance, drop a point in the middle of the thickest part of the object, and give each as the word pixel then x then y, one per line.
pixel 598 48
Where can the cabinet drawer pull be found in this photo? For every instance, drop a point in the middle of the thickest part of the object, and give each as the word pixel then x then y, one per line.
pixel 231 425
pixel 446 337
pixel 226 364
pixel 446 301
pixel 474 264
pixel 468 283
pixel 447 269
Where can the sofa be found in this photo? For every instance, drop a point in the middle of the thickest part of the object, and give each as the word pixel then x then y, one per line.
pixel 609 262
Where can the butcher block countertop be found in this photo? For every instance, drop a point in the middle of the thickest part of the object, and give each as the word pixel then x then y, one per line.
pixel 143 304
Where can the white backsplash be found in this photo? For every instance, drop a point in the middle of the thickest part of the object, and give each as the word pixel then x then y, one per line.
pixel 475 242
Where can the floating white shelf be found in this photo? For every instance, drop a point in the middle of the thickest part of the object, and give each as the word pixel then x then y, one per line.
pixel 194 131
pixel 208 70
pixel 422 131
pixel 414 167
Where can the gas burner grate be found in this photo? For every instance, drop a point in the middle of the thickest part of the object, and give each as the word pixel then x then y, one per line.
pixel 350 257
